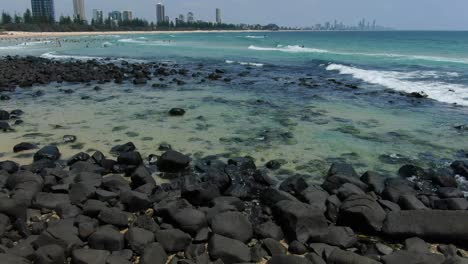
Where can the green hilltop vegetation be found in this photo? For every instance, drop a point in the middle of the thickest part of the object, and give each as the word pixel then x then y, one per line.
pixel 67 24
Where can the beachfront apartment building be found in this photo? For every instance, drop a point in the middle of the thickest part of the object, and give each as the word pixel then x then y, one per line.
pixel 160 13
pixel 127 15
pixel 190 17
pixel 218 16
pixel 98 18
pixel 43 9
pixel 79 9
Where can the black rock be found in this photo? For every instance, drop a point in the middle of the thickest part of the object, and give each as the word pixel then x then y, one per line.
pixel 361 212
pixel 69 139
pixel 273 247
pixel 177 112
pixel 115 183
pixel 411 202
pixel 417 245
pixel 339 256
pixel 431 225
pixel 130 158
pixel 127 147
pixel 228 250
pixel 138 239
pixel 288 260
pixel 89 256
pixel 173 161
pixel 12 259
pixel 4 115
pixel 340 236
pixel 153 254
pixel 269 230
pixel 294 185
pixel 107 238
pixel 273 165
pixel 142 176
pixel 300 221
pixel 80 192
pixel 403 256
pixel 173 240
pixel 135 201
pixel 190 220
pixel 297 248
pixel 375 181
pixel 47 152
pixel 23 147
pixel 233 225
pixel 50 254
pixel 50 200
pixel 315 196
pixel 114 216
pixel 339 174
pixel 78 157
pixel 4 126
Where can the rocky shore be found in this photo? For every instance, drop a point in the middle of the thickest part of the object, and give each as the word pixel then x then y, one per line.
pixel 98 209
pixel 93 209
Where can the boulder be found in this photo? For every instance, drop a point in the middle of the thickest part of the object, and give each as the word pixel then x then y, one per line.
pixel 274 247
pixel 407 257
pixel 300 221
pixel 47 152
pixel 107 238
pixel 288 260
pixel 153 254
pixel 50 254
pixel 339 174
pixel 177 112
pixel 228 250
pixel 138 238
pixel 233 225
pixel 339 256
pixel 173 161
pixel 361 212
pixel 190 220
pixel 173 240
pixel 269 230
pixel 135 201
pixel 24 146
pixel 89 256
pixel 375 181
pixel 431 225
pixel 340 236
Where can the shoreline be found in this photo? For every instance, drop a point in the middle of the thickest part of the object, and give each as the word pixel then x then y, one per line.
pixel 210 207
pixel 24 34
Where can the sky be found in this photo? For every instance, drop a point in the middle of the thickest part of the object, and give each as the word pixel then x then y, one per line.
pixel 398 14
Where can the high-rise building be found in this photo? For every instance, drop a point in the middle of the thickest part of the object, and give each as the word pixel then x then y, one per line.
pixel 160 13
pixel 181 18
pixel 97 16
pixel 79 9
pixel 127 15
pixel 190 17
pixel 218 16
pixel 115 15
pixel 43 9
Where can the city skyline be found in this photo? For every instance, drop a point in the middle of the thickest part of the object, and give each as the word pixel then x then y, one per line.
pixel 399 14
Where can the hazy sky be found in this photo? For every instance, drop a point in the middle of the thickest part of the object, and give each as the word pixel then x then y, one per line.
pixel 400 14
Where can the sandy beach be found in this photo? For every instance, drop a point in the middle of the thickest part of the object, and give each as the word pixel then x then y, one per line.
pixel 22 34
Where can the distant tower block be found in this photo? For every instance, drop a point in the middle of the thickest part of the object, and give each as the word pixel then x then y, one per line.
pixel 218 16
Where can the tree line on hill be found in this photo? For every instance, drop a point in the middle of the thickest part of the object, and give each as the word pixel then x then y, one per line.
pixel 28 22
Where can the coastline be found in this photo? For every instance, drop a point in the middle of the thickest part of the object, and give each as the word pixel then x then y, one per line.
pixel 24 34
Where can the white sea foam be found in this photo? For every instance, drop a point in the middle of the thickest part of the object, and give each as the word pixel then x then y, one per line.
pixel 301 49
pixel 145 42
pixel 245 63
pixel 255 37
pixel 401 81
pixel 107 44
pixel 55 56
pixel 289 48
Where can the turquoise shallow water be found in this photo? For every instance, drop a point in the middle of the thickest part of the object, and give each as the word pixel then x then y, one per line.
pixel 290 102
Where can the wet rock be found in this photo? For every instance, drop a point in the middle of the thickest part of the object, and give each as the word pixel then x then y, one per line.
pixel 451 204
pixel 4 126
pixel 395 188
pixel 130 158
pixel 233 225
pixel 135 201
pixel 340 236
pixel 173 161
pixel 115 183
pixel 164 147
pixel 411 202
pixel 107 238
pixel 361 212
pixel 431 225
pixel 173 240
pixel 80 192
pixel 153 254
pixel 78 157
pixel 228 250
pixel 114 216
pixel 4 115
pixel 339 174
pixel 47 152
pixel 375 181
pixel 69 139
pixel 300 221
pixel 273 165
pixel 294 184
pixel 24 146
pixel 127 147
pixel 4 97
pixel 177 112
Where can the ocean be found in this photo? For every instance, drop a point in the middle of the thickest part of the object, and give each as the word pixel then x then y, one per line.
pixel 304 98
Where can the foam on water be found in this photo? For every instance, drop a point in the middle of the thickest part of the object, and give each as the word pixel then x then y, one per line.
pixel 55 56
pixel 245 63
pixel 289 48
pixel 143 41
pixel 401 81
pixel 254 37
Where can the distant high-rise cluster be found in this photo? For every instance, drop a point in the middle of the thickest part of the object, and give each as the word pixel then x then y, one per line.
pixel 79 9
pixel 97 16
pixel 190 17
pixel 160 13
pixel 218 16
pixel 127 15
pixel 43 9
